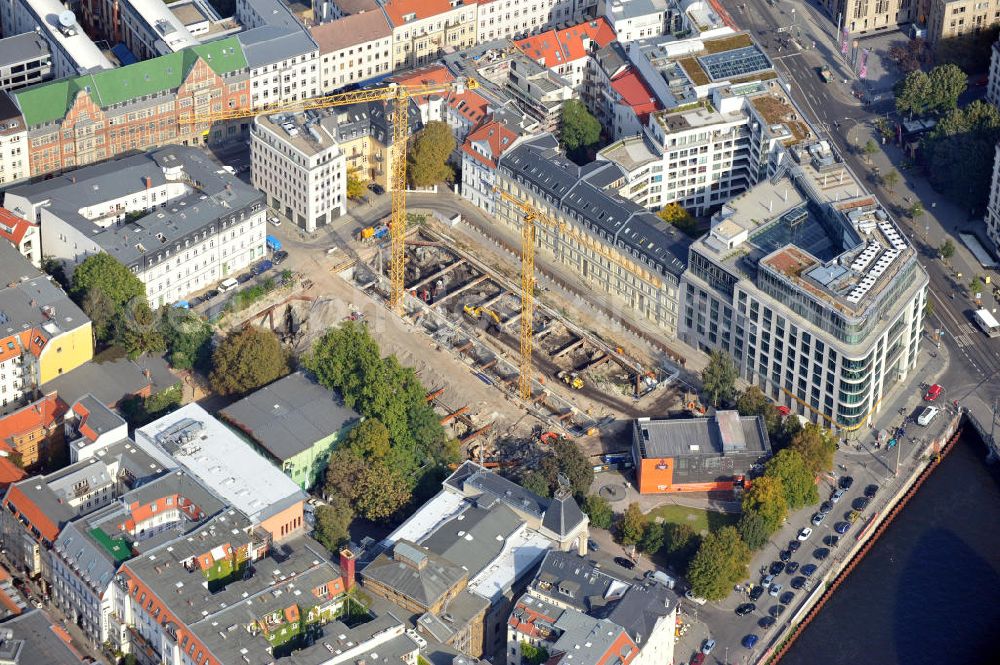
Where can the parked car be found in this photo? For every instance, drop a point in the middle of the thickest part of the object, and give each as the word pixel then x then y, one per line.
pixel 787 598
pixel 775 590
pixel 624 563
pixel 745 609
pixel 757 592
pixel 927 415
pixel 707 647
pixel 798 582
pixel 697 659
pixel 279 256
pixel 933 392
pixel 846 482
pixel 808 569
pixel 794 545
pixel 821 553
pixel 818 518
pixel 376 189
pixel 750 641
pixel 767 581
pixel 825 508
pixel 262 267
pixel 784 555
pixel 766 622
pixel 842 527
pixel 592 545
pixel 837 495
pixel 871 491
pixel 777 610
pixel 274 220
pixel 792 567
pixel 860 503
pixel 804 534
pixel 831 540
pixel 777 568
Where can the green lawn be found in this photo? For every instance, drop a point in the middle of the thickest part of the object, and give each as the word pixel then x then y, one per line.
pixel 699 520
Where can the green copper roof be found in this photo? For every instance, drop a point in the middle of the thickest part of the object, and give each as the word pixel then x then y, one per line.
pixel 118 548
pixel 50 101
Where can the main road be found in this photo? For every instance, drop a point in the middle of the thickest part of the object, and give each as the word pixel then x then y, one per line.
pixel 799 44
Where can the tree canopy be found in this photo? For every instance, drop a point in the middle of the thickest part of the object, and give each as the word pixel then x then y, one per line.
pixel 102 286
pixel 633 525
pixel 797 481
pixel 676 215
pixel 246 360
pixel 680 545
pixel 817 446
pixel 721 562
pixel 580 130
pixel 566 458
pixel 766 497
pixel 188 338
pixel 137 330
pixel 365 471
pixel 936 92
pixel 599 511
pixel 719 377
pixel 332 523
pixel 959 153
pixel 652 538
pixel 355 185
pixel 428 156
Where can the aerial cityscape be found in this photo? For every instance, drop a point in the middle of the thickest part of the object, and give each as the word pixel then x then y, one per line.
pixel 499 332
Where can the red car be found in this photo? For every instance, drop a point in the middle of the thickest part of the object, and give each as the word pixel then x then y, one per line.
pixel 933 392
pixel 698 659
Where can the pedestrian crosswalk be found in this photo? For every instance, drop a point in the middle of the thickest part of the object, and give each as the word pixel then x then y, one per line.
pixel 966 335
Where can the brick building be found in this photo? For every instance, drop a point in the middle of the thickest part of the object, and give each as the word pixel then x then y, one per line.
pixel 91 118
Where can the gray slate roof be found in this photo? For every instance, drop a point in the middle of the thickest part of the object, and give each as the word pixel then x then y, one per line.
pixel 724 433
pixel 641 608
pixel 110 378
pixel 274 43
pixel 28 639
pixel 99 418
pixel 415 572
pixel 580 193
pixel 290 415
pixel 563 515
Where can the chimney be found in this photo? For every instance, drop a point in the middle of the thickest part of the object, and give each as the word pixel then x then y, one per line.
pixel 149 181
pixel 347 567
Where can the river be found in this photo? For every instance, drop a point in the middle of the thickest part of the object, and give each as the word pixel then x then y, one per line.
pixel 929 590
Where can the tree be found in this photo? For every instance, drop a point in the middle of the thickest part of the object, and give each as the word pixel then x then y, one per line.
pixel 333 522
pixel 137 330
pixel 188 337
pixel 652 539
pixel 753 530
pixel 355 185
pixel 891 179
pixel 246 360
pixel 719 377
pixel 928 308
pixel 566 458
pixel 676 215
pixel 869 149
pixel 103 273
pixel 959 152
pixel 428 156
pixel 101 311
pixel 766 498
pixel 599 511
pixel 680 545
pixel 369 440
pixel 797 481
pixel 947 83
pixel 817 447
pixel 633 525
pixel 580 130
pixel 913 94
pixel 382 490
pixel 975 286
pixel 916 211
pixel 909 55
pixel 532 655
pixel 720 563
pixel 947 249
pixel 128 659
pixel 752 401
pixel 535 481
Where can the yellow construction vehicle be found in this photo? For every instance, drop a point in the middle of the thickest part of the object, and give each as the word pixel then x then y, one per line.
pixel 400 96
pixel 571 379
pixel 476 313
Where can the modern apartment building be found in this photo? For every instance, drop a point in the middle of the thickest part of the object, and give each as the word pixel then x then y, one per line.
pixel 353 49
pixel 497 19
pixel 613 244
pixel 173 217
pixel 76 121
pixel 282 62
pixel 993 207
pixel 812 289
pixel 633 20
pixel 480 153
pixel 298 164
pixel 423 29
pixel 14 154
pixel 954 18
pixel 73 53
pixel 24 60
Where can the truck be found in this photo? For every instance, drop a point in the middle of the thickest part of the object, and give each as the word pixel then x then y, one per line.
pixel 273 243
pixel 373 233
pixel 986 322
pixel 825 74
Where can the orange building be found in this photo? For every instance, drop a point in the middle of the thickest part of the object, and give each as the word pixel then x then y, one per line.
pixel 33 433
pixel 697 454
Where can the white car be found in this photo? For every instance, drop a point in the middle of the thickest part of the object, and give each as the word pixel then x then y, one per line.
pixel 275 221
pixel 805 533
pixel 927 415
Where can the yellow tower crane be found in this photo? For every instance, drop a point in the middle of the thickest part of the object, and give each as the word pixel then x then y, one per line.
pixel 400 95
pixel 533 216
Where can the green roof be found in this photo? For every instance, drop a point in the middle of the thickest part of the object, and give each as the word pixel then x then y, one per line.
pixel 118 548
pixel 48 102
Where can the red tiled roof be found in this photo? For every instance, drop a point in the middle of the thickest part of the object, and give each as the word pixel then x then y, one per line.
pixel 34 514
pixel 555 47
pixel 13 227
pixel 470 104
pixel 496 134
pixel 397 9
pixel 635 93
pixel 41 413
pixel 10 473
pixel 351 31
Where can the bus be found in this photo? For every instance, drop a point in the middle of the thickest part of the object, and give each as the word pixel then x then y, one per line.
pixel 986 322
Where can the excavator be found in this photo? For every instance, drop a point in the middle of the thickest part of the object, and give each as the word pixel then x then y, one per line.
pixel 571 379
pixel 475 313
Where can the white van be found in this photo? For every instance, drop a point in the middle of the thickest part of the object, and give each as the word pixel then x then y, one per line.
pixel 228 284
